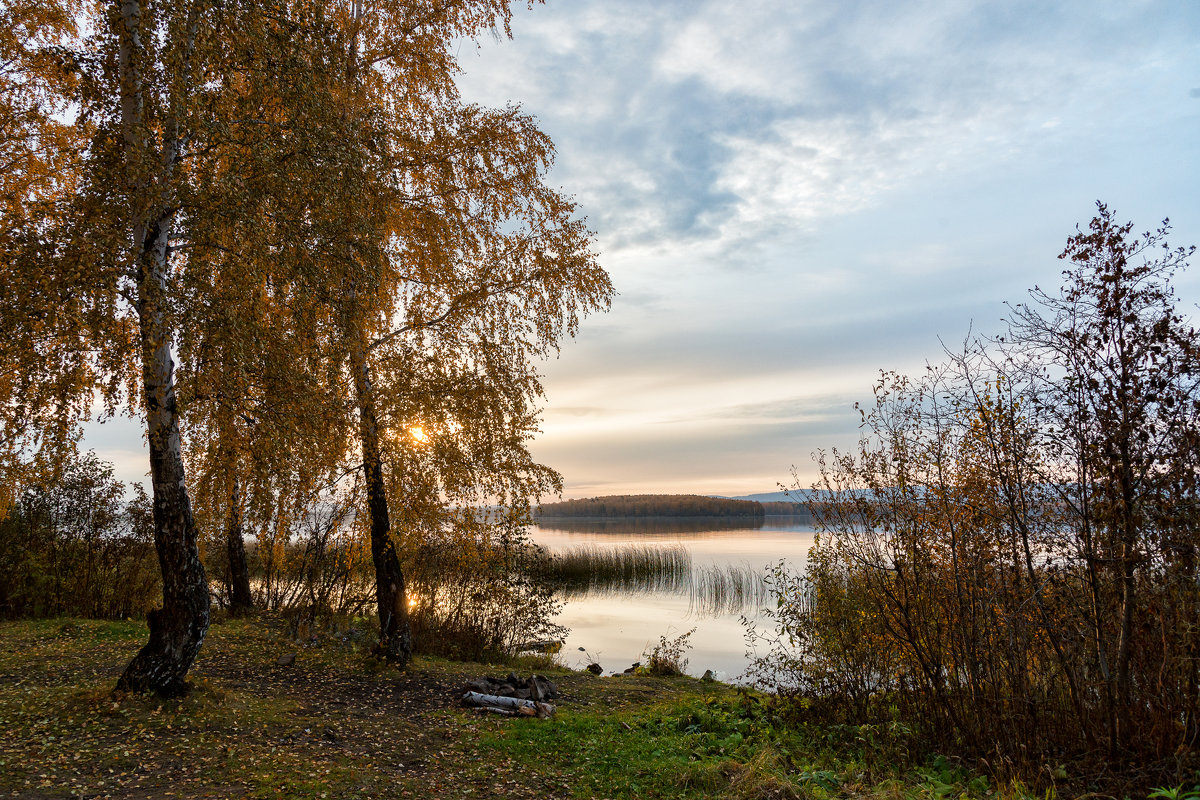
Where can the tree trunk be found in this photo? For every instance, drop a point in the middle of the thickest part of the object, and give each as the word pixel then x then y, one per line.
pixel 240 598
pixel 395 633
pixel 177 629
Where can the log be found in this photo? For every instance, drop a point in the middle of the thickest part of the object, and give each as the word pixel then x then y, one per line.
pixel 512 704
pixel 504 712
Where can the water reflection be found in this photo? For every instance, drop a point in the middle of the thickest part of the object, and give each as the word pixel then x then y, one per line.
pixel 614 621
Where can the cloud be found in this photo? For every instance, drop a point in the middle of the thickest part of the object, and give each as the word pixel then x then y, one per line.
pixel 680 121
pixel 791 196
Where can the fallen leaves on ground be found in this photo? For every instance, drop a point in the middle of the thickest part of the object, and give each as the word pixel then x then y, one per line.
pixel 327 726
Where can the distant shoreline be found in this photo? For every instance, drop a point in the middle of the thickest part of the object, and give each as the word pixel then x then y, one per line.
pixel 539 518
pixel 666 506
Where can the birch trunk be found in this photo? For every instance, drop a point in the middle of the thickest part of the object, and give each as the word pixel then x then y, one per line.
pixel 395 633
pixel 177 629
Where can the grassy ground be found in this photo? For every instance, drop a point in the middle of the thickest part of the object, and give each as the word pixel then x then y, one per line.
pixel 332 725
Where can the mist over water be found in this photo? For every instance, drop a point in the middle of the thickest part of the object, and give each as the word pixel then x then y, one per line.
pixel 715 580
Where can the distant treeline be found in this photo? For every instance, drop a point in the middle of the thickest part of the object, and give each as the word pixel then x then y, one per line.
pixel 666 505
pixel 783 508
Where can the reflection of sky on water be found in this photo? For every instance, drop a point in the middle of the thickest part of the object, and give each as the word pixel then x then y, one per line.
pixel 616 628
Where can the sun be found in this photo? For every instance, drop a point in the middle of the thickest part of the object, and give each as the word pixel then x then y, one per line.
pixel 418 433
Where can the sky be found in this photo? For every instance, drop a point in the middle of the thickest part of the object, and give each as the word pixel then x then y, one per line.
pixel 791 196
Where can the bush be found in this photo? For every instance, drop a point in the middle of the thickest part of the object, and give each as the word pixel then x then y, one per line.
pixel 1008 562
pixel 667 657
pixel 73 546
pixel 478 590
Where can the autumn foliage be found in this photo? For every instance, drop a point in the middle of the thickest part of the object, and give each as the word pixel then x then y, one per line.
pixel 1007 564
pixel 278 235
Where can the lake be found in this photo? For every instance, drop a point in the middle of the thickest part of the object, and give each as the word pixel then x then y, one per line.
pixel 615 626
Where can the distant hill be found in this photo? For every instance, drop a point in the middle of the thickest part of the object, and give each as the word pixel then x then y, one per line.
pixel 790 496
pixel 768 497
pixel 780 503
pixel 653 505
pixel 634 506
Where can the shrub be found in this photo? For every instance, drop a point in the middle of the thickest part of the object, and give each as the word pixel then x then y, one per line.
pixel 1008 561
pixel 667 657
pixel 74 546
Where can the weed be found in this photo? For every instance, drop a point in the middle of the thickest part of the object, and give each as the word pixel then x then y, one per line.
pixel 1177 793
pixel 667 657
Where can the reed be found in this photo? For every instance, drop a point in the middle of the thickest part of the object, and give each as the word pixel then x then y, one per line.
pixel 712 589
pixel 590 568
pixel 727 589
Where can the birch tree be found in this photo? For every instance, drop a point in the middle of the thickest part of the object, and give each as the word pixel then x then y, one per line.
pixel 294 203
pixel 483 269
pixel 88 258
pixel 101 282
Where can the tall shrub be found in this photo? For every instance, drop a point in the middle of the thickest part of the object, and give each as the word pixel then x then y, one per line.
pixel 1007 560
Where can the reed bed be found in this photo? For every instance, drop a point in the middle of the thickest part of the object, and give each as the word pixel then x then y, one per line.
pixel 727 589
pixel 588 569
pixel 712 589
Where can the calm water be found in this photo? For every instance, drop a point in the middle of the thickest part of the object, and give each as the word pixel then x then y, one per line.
pixel 615 628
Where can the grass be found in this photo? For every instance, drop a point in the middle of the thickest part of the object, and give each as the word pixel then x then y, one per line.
pixel 589 568
pixel 337 725
pixel 712 589
pixel 727 589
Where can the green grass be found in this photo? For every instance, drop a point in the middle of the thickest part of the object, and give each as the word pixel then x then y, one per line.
pixel 684 747
pixel 719 744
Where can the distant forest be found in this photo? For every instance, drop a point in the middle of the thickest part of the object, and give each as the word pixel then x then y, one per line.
pixel 781 508
pixel 667 505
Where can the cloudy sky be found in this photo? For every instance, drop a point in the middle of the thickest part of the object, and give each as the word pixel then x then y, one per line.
pixel 792 195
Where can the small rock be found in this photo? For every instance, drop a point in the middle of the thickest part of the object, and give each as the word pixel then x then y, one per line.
pixel 541 688
pixel 582 650
pixel 595 669
pixel 286 660
pixel 708 676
